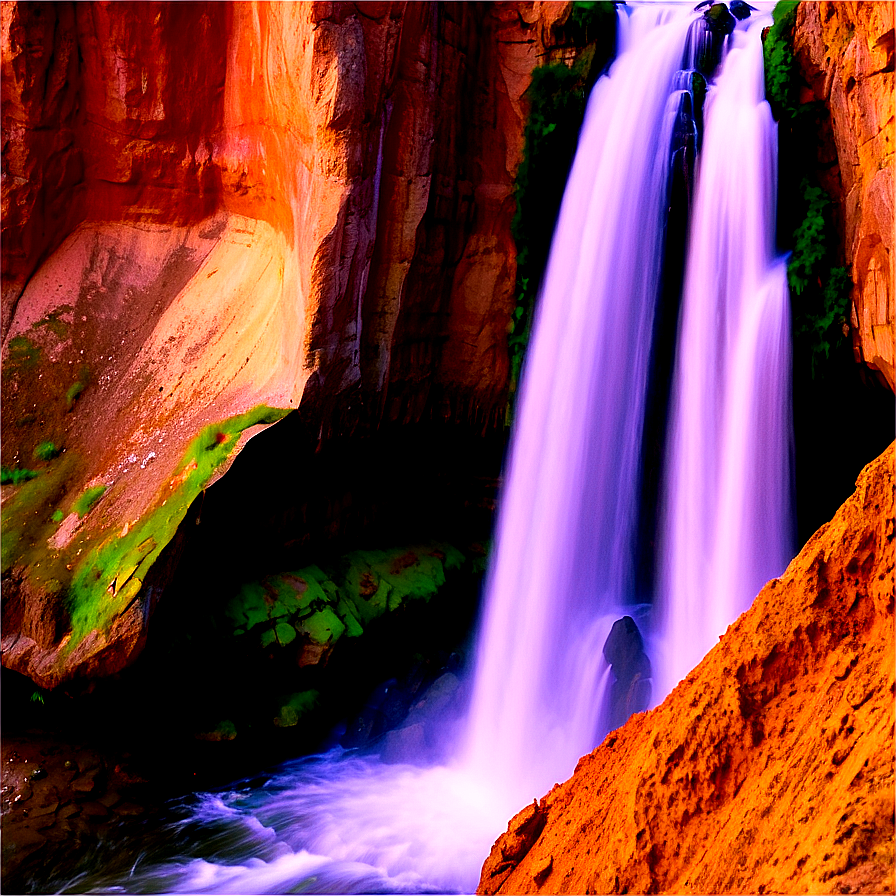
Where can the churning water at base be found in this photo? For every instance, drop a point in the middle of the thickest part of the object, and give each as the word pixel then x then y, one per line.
pixel 335 823
pixel 564 564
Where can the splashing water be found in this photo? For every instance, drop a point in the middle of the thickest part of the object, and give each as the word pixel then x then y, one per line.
pixel 564 564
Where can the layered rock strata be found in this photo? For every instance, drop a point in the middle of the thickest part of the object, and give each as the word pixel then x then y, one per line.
pixel 845 51
pixel 769 769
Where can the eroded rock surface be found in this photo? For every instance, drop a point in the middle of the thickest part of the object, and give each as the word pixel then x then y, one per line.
pixel 205 207
pixel 769 769
pixel 845 50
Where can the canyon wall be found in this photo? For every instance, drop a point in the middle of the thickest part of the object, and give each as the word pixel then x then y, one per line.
pixel 845 52
pixel 769 769
pixel 214 213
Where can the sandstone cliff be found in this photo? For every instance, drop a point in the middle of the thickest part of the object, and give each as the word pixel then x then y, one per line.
pixel 769 769
pixel 845 51
pixel 205 207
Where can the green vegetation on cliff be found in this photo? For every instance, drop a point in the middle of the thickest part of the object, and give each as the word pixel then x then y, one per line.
pixel 781 83
pixel 112 573
pixel 322 606
pixel 557 97
pixel 111 570
pixel 820 289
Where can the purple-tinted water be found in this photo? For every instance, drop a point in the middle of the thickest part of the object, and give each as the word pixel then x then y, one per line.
pixel 728 520
pixel 562 570
pixel 563 567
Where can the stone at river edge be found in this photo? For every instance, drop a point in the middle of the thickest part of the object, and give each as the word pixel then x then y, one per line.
pixel 845 51
pixel 770 768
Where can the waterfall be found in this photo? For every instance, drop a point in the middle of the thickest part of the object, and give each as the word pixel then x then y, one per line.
pixel 563 566
pixel 577 516
pixel 727 525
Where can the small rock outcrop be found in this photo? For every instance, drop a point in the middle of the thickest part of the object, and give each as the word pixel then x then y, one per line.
pixel 769 769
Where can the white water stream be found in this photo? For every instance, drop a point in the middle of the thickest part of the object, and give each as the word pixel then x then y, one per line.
pixel 728 522
pixel 563 568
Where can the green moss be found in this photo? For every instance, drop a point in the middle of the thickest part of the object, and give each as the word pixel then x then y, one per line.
pixel 54 323
pixel 16 475
pixel 285 633
pixel 87 499
pixel 73 393
pixel 820 289
pixel 46 451
pixel 323 626
pixel 27 518
pixel 224 730
pixel 781 84
pixel 112 574
pixel 24 356
pixel 325 606
pixel 294 706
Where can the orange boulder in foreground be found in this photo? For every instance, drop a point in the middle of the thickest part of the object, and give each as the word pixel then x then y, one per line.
pixel 769 769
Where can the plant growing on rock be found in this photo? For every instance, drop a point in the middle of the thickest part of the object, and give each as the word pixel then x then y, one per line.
pixel 46 451
pixel 15 475
pixel 86 501
pixel 111 573
pixel 820 289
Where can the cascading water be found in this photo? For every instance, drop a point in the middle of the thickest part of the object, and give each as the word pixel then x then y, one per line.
pixel 564 569
pixel 728 522
pixel 567 547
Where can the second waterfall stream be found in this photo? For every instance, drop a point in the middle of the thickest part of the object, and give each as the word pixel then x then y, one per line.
pixel 652 433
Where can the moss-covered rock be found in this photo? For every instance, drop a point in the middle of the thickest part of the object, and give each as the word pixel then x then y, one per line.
pixel 294 706
pixel 322 606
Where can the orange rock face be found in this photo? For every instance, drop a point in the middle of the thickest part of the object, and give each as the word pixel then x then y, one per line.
pixel 207 204
pixel 845 50
pixel 769 769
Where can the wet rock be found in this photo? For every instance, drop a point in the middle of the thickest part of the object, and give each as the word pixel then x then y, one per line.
pixel 128 809
pixel 84 784
pixel 719 19
pixel 741 10
pixel 394 707
pixel 94 809
pixel 23 841
pixel 631 688
pixel 88 761
pixel 110 799
pixel 223 731
pixel 405 745
pixel 845 53
pixel 48 809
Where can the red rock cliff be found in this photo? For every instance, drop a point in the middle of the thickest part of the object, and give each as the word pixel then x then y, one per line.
pixel 845 51
pixel 769 769
pixel 204 206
